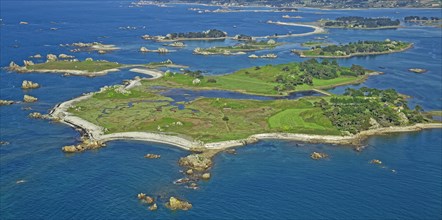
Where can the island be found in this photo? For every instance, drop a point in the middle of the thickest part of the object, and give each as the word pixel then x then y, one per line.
pixel 149 112
pixel 360 48
pixel 425 21
pixel 212 34
pixel 87 67
pixel 356 22
pixel 238 49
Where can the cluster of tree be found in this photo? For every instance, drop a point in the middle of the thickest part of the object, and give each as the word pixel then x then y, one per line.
pixel 306 71
pixel 362 47
pixel 364 108
pixel 417 18
pixel 213 33
pixel 356 21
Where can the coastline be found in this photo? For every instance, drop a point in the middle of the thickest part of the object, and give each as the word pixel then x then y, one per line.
pixel 299 52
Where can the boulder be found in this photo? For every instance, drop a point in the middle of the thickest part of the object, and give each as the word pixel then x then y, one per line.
pixel 196 81
pixel 205 176
pixel 253 56
pixel 176 204
pixel 29 85
pixel 28 98
pixel 89 59
pixel 101 51
pixel 35 115
pixel 141 196
pixel 51 57
pixel 148 200
pixel 153 207
pixel 163 50
pixel 317 156
pixel 189 172
pixel 13 66
pixel 23 22
pixel 271 42
pixel 417 70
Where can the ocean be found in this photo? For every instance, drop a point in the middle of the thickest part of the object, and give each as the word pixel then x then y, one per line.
pixel 266 180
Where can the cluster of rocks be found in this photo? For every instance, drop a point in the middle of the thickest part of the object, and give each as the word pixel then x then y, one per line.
pixel 26 84
pixel 85 145
pixel 417 70
pixel 198 162
pixel 176 44
pixel 177 204
pixel 318 156
pixel 159 50
pixel 268 56
pixel 65 56
pixel 6 102
pixel 28 62
pixel 149 200
pixel 152 156
pixel 36 56
pixel 28 98
pixel 38 115
pixel 94 46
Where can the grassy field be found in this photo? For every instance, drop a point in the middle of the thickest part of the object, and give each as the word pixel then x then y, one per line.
pixel 253 80
pixel 205 119
pixel 89 66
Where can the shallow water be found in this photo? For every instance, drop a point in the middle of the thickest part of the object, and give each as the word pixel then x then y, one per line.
pixel 267 180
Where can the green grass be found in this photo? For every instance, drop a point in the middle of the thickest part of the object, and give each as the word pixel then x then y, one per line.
pixel 89 66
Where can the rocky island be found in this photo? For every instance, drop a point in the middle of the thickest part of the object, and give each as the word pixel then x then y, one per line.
pixel 356 22
pixel 360 48
pixel 238 49
pixel 212 34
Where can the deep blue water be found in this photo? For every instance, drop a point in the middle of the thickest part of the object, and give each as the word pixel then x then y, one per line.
pixel 267 180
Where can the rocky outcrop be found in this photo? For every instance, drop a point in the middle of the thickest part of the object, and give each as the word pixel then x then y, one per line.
pixel 85 145
pixel 36 56
pixel 38 115
pixel 29 85
pixel 28 98
pixel 189 172
pixel 318 156
pixel 51 57
pixel 65 56
pixel 6 102
pixel 101 51
pixel 152 156
pixel 254 56
pixel 269 56
pixel 376 161
pixel 153 207
pixel 23 22
pixel 206 176
pixel 417 70
pixel 14 67
pixel 144 50
pixel 28 62
pixel 177 44
pixel 144 198
pixel 176 204
pixel 162 50
pixel 197 162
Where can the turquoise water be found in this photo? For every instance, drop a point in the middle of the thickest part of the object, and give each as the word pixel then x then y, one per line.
pixel 267 180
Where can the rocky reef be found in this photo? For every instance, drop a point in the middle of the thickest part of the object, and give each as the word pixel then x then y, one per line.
pixel 152 156
pixel 265 56
pixel 85 145
pixel 159 50
pixel 148 200
pixel 38 115
pixel 198 162
pixel 376 161
pixel 177 204
pixel 28 98
pixel 26 84
pixel 417 70
pixel 318 156
pixel 6 102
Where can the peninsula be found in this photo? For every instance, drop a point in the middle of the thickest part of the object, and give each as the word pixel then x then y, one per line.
pixel 360 48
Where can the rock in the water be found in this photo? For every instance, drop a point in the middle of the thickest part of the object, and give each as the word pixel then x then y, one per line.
pixel 36 115
pixel 144 50
pixel 86 145
pixel 317 156
pixel 101 51
pixel 153 207
pixel 189 172
pixel 417 70
pixel 205 176
pixel 375 161
pixel 28 98
pixel 14 67
pixel 4 143
pixel 29 85
pixel 230 151
pixel 141 195
pixel 176 204
pixel 28 62
pixel 51 57
pixel 197 162
pixel 23 22
pixel 36 56
pixel 6 102
pixel 65 56
pixel 152 156
pixel 69 149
